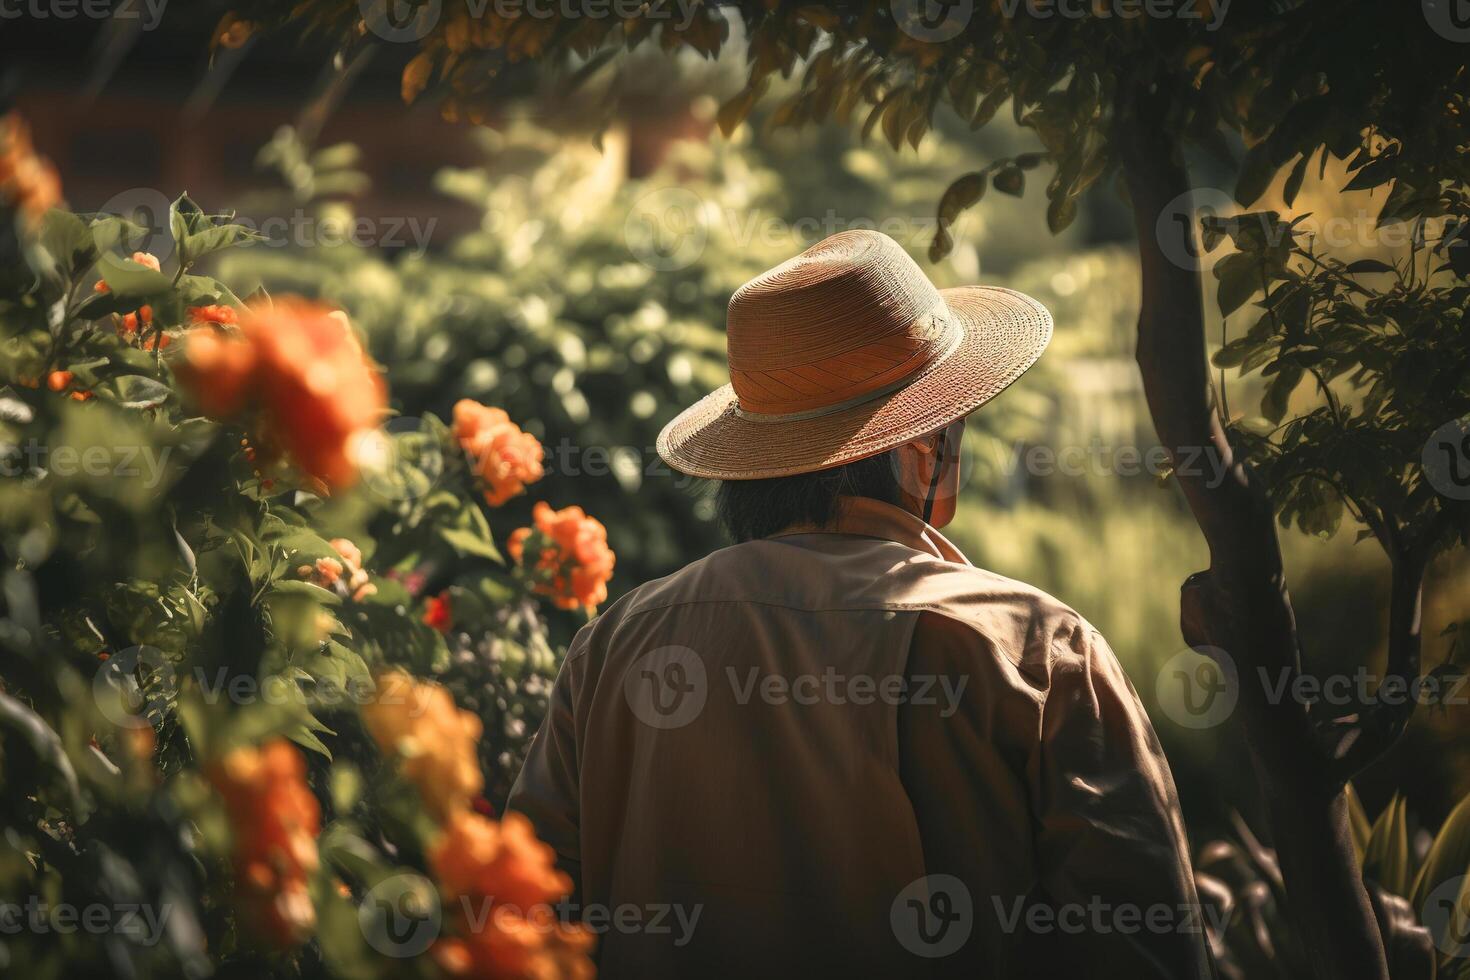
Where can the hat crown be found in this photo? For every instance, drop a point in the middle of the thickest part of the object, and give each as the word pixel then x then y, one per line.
pixel 846 318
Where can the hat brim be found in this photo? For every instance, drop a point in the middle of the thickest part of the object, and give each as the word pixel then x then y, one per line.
pixel 1004 332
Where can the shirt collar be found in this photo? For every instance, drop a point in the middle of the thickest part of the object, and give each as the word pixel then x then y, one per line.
pixel 875 519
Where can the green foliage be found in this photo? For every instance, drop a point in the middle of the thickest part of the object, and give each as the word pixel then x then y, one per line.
pixel 1385 351
pixel 168 597
pixel 1246 904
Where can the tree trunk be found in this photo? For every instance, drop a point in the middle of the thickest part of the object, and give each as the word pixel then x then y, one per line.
pixel 1240 604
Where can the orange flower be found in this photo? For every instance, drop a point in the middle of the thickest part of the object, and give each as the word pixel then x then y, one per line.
pixel 506 865
pixel 347 576
pixel 28 181
pixel 232 31
pixel 222 315
pixel 505 458
pixel 573 562
pixel 59 380
pixel 300 365
pixel 275 821
pixel 437 613
pixel 435 743
pixel 142 258
pixel 219 370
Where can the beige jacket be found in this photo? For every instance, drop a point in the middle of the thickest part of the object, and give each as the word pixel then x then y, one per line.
pixel 848 752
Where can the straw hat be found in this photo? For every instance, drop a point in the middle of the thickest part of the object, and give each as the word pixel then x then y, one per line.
pixel 846 351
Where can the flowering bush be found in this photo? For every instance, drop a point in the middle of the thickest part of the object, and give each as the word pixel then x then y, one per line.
pixel 571 561
pixel 261 661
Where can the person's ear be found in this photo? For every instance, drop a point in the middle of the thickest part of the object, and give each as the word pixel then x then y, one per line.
pixel 926 445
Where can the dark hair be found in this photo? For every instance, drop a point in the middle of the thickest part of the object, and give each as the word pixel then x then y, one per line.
pixel 751 509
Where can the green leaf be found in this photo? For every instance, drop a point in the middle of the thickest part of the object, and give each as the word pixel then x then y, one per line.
pixel 1240 279
pixel 1294 179
pixel 1010 181
pixel 1278 392
pixel 960 195
pixel 1363 266
pixel 303 588
pixel 1386 858
pixel 128 278
pixel 1448 857
pixel 1060 213
pixel 136 391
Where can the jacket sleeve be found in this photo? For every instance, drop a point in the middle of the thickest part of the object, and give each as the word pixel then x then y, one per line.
pixel 547 791
pixel 1111 836
pixel 1047 793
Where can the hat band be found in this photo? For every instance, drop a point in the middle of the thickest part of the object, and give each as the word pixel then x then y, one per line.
pixel 953 335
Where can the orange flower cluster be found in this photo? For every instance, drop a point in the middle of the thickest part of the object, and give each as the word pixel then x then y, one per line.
pixel 505 458
pixel 504 863
pixel 346 577
pixel 128 325
pixel 300 365
pixel 474 857
pixel 276 821
pixel 573 563
pixel 61 381
pixel 433 741
pixel 27 180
